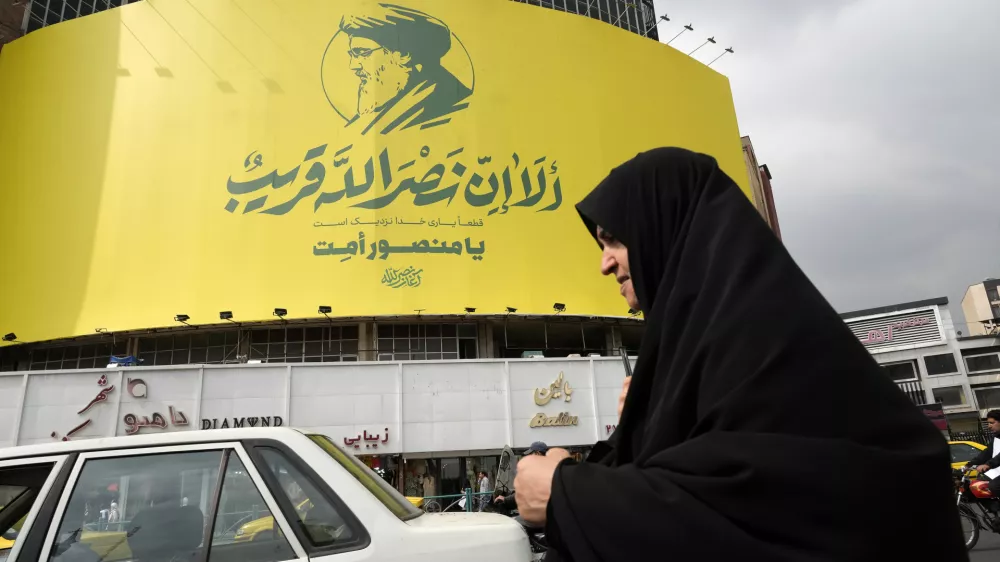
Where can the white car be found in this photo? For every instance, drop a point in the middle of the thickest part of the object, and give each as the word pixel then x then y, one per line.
pixel 193 495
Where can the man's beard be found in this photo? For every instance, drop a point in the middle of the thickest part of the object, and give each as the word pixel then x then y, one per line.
pixel 378 89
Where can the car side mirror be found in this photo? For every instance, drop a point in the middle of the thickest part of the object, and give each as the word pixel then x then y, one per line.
pixel 10 534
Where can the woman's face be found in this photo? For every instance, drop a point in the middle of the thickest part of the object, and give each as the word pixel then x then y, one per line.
pixel 614 261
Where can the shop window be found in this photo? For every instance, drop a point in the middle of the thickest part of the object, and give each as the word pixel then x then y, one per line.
pixel 904 371
pixel 940 364
pixel 949 396
pixel 432 342
pixel 317 344
pixel 983 363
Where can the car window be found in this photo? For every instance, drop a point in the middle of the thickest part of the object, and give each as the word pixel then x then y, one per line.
pixel 322 524
pixel 389 496
pixel 144 507
pixel 245 530
pixel 19 491
pixel 962 452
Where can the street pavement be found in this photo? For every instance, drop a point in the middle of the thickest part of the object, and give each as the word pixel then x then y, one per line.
pixel 987 549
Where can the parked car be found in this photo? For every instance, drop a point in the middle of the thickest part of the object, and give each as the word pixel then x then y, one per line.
pixel 184 495
pixel 964 451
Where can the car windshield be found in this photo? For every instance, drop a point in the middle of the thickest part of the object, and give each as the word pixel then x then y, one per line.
pixel 389 496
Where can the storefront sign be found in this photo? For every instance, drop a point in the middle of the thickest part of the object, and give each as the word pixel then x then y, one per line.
pixel 562 420
pixel 556 390
pixel 885 334
pixel 102 396
pixel 369 441
pixel 264 421
pixel 133 424
pixel 893 330
pixel 138 388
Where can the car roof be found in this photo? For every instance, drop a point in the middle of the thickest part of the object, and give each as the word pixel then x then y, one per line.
pixel 979 446
pixel 151 440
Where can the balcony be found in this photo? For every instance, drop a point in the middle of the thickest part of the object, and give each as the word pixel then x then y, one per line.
pixel 914 391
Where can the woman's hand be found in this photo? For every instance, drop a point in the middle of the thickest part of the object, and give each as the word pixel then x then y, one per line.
pixel 534 483
pixel 621 397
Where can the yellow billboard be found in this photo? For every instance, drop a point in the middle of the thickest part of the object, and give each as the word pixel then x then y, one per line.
pixel 193 156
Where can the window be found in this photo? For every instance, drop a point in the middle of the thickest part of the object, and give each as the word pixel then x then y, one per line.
pixel 185 349
pixel 298 345
pixel 520 338
pixel 988 398
pixel 321 522
pixel 940 364
pixel 962 452
pixel 243 519
pixel 19 487
pixel 417 342
pixel 149 507
pixel 981 363
pixel 388 495
pixel 78 356
pixel 949 396
pixel 906 371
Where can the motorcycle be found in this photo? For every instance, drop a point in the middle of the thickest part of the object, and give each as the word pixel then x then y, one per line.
pixel 976 493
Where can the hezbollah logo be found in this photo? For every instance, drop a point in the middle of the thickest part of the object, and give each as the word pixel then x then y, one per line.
pixel 409 70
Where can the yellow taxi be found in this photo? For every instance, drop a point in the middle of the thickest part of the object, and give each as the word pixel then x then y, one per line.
pixel 257 528
pixel 964 451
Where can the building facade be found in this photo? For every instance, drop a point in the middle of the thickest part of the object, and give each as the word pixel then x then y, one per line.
pixel 918 347
pixel 760 186
pixel 408 420
pixel 981 306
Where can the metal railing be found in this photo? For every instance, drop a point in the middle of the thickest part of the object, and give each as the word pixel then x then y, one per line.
pixel 473 501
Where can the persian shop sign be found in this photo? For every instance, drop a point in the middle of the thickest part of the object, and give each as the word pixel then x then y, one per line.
pixel 885 334
pixel 559 388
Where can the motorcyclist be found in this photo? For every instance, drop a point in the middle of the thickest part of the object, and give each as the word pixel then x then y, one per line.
pixel 509 502
pixel 990 457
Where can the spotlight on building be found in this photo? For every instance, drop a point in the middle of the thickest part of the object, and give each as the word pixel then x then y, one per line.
pixel 281 313
pixel 324 310
pixel 707 41
pixel 182 318
pixel 633 312
pixel 511 310
pixel 10 337
pixel 728 50
pixel 470 310
pixel 101 330
pixel 559 307
pixel 227 315
pixel 688 27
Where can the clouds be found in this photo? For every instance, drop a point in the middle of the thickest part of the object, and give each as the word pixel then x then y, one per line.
pixel 878 120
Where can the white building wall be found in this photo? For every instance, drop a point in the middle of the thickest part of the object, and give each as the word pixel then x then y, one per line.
pixel 369 407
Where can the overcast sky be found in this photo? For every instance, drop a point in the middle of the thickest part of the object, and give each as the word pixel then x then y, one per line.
pixel 880 122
